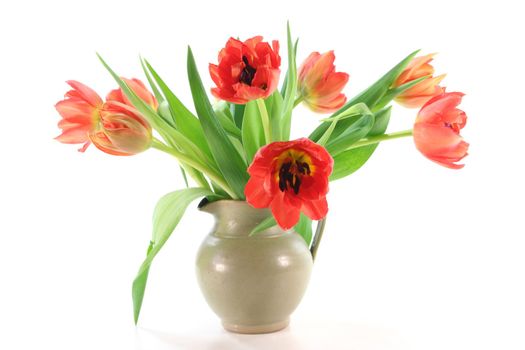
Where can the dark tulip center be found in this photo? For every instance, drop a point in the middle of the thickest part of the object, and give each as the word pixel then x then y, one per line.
pixel 290 175
pixel 247 73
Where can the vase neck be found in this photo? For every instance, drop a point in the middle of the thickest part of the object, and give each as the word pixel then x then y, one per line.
pixel 238 219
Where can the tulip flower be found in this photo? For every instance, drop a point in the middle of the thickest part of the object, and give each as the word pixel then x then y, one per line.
pixel 319 85
pixel 419 94
pixel 80 113
pixel 437 128
pixel 290 177
pixel 121 130
pixel 114 126
pixel 139 88
pixel 246 70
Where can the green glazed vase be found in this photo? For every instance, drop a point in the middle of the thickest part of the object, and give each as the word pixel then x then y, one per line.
pixel 253 283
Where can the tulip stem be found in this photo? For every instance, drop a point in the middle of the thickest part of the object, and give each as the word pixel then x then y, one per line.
pixel 379 138
pixel 297 101
pixel 265 119
pixel 196 165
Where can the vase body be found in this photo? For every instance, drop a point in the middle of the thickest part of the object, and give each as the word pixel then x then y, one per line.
pixel 253 283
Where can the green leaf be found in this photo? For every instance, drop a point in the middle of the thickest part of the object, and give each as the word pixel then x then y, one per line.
pixel 165 113
pixel 304 228
pixel 152 84
pixel 184 120
pixel 348 162
pixel 264 225
pixel 354 111
pixel 230 163
pixel 285 82
pixel 228 125
pixel 252 130
pixel 290 89
pixel 238 112
pixel 275 116
pixel 168 212
pixel 351 135
pixel 371 96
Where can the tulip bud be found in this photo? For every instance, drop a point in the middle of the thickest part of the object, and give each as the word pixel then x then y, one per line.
pixel 319 85
pixel 419 94
pixel 121 131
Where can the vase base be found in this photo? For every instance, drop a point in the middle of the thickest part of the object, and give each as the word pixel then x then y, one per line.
pixel 260 329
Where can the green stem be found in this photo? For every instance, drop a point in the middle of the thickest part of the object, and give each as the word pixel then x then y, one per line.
pixel 196 165
pixel 265 120
pixel 297 101
pixel 380 138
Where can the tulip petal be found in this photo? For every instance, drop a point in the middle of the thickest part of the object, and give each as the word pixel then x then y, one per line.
pixel 316 209
pixel 285 213
pixel 86 93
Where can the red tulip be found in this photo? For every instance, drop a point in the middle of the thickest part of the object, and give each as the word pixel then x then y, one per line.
pixel 437 127
pixel 246 71
pixel 114 127
pixel 419 94
pixel 290 177
pixel 139 88
pixel 320 85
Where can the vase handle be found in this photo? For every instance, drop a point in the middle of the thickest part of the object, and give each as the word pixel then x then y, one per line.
pixel 317 237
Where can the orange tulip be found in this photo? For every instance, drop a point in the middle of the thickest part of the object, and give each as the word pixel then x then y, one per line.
pixel 139 88
pixel 114 126
pixel 437 127
pixel 80 113
pixel 419 94
pixel 121 130
pixel 319 85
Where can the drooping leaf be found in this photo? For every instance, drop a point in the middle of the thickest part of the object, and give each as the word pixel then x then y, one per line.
pixel 371 96
pixel 168 212
pixel 348 162
pixel 252 130
pixel 230 163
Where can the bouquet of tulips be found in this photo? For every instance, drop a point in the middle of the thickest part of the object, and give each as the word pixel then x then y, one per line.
pixel 238 147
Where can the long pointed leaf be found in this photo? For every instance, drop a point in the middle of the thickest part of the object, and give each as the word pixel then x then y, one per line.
pixel 229 161
pixel 185 121
pixel 252 130
pixel 290 89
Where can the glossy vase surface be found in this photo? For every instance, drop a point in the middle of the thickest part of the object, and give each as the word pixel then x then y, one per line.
pixel 253 283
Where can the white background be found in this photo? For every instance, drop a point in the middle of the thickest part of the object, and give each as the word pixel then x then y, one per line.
pixel 415 256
